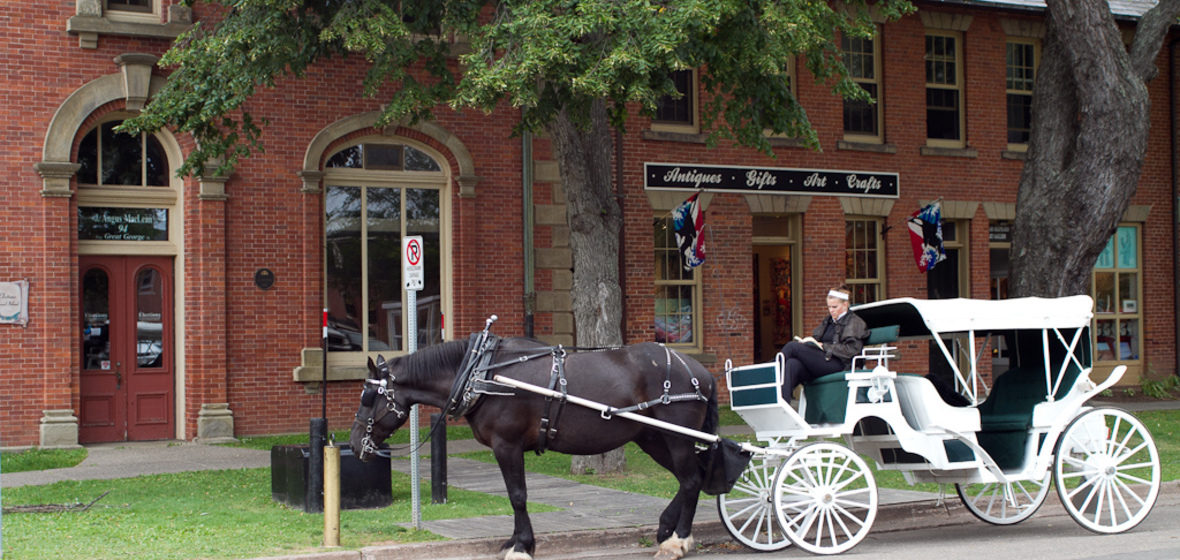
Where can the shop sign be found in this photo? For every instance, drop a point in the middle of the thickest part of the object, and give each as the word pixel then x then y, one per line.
pixel 14 303
pixel 122 224
pixel 1000 232
pixel 769 180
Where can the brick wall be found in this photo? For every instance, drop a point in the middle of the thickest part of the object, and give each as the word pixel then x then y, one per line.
pixel 242 343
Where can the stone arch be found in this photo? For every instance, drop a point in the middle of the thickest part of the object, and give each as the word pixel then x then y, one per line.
pixel 134 83
pixel 311 173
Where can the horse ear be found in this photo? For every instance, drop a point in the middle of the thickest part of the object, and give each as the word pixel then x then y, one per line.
pixel 382 367
pixel 374 373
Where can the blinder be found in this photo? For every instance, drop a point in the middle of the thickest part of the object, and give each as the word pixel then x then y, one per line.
pixel 372 389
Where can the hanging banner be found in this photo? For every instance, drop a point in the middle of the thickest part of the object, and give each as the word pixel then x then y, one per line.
pixel 14 303
pixel 769 180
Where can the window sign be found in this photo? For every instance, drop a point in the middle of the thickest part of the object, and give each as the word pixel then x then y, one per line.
pixel 122 224
pixel 1128 256
pixel 14 303
pixel 1106 257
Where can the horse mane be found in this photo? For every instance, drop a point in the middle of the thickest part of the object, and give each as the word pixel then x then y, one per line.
pixel 434 362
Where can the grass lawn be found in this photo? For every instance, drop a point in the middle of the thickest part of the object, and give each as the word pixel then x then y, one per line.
pixel 209 514
pixel 40 460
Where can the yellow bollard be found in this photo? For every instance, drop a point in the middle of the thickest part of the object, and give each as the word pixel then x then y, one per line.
pixel 331 496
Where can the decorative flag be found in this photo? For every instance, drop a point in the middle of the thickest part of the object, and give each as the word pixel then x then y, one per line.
pixel 926 236
pixel 689 220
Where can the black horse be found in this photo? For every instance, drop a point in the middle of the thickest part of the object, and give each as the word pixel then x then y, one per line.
pixel 511 425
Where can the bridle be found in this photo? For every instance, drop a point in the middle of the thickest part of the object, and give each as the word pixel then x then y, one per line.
pixel 372 389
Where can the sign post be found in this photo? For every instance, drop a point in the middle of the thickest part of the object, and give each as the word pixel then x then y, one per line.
pixel 413 275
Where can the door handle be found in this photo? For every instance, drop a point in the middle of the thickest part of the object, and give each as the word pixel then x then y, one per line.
pixel 118 376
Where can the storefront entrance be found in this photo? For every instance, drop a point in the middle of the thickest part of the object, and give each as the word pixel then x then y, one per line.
pixel 127 349
pixel 773 292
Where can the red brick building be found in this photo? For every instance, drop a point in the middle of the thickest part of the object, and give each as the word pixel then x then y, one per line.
pixel 160 307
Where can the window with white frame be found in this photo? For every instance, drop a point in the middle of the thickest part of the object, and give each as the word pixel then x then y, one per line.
pixel 138 6
pixel 677 291
pixel 862 57
pixel 944 89
pixel 132 11
pixel 1020 60
pixel 864 259
pixel 375 195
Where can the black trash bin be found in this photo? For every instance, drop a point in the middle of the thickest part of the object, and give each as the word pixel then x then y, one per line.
pixel 362 485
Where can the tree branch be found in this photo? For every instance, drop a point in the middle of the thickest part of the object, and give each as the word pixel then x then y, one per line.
pixel 1149 37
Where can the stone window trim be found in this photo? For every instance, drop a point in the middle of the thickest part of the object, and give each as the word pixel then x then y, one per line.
pixel 90 21
pixel 310 370
pixel 133 84
pixel 311 175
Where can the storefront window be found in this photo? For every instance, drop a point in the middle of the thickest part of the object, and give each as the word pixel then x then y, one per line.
pixel 864 259
pixel 364 227
pixel 677 296
pixel 1116 292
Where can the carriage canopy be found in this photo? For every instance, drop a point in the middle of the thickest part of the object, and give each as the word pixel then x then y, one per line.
pixel 926 317
pixel 1049 336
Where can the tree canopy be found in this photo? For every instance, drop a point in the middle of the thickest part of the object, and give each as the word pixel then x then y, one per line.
pixel 543 56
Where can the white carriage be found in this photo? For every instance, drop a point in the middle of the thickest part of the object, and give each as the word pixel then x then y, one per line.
pixel 1001 447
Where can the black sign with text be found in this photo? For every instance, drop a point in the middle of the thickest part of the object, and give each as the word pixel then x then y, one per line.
pixel 122 224
pixel 775 180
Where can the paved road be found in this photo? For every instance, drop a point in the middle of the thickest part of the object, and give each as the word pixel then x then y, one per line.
pixel 1049 535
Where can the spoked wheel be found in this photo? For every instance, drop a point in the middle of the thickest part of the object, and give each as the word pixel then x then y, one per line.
pixel 748 510
pixel 1005 503
pixel 826 498
pixel 1108 470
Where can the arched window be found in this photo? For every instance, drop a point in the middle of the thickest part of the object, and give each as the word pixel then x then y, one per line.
pixel 112 158
pixel 376 194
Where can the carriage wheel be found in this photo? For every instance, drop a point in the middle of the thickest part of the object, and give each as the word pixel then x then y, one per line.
pixel 826 498
pixel 1005 503
pixel 748 510
pixel 1108 470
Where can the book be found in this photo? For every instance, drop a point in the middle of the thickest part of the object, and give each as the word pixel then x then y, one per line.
pixel 810 341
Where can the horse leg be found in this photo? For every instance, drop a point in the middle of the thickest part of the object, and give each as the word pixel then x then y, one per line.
pixel 675 531
pixel 522 545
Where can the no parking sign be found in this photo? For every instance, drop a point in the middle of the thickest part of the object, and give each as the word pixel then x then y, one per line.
pixel 412 256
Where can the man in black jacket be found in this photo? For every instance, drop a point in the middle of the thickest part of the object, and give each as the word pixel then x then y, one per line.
pixel 839 338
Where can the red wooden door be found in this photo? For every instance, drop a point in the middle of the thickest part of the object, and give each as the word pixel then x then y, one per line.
pixel 127 351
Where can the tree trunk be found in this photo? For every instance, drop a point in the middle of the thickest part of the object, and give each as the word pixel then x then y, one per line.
pixel 1089 140
pixel 595 221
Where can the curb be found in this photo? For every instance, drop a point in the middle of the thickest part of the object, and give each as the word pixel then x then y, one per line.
pixel 897 517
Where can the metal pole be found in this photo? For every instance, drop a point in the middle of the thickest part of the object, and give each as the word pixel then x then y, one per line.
pixel 324 382
pixel 315 466
pixel 332 496
pixel 411 347
pixel 438 461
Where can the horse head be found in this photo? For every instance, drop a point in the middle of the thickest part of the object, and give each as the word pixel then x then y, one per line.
pixel 381 412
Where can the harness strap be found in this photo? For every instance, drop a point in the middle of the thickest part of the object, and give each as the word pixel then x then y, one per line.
pixel 667 399
pixel 548 428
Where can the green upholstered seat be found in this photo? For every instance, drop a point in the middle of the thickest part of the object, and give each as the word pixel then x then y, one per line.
pixel 1006 416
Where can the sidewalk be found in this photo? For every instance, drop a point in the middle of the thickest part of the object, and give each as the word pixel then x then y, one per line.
pixel 590 518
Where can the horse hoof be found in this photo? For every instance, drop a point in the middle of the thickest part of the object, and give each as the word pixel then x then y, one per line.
pixel 514 555
pixel 675 548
